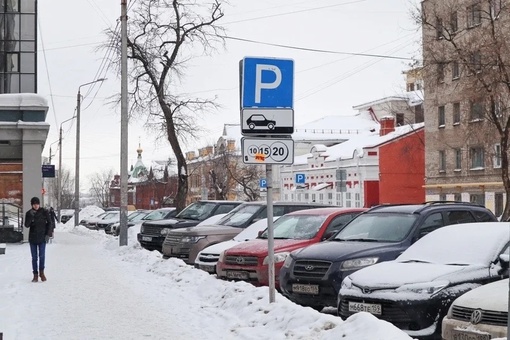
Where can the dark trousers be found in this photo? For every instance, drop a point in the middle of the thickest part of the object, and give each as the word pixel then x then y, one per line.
pixel 38 251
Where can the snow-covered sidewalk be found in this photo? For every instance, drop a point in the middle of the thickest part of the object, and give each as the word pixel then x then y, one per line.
pixel 98 290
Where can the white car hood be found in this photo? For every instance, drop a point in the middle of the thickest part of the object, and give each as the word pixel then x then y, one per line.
pixel 492 296
pixel 219 247
pixel 394 274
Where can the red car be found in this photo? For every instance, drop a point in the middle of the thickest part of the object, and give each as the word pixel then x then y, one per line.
pixel 249 261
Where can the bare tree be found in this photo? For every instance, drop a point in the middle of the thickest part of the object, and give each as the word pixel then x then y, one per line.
pixel 164 35
pixel 233 175
pixel 67 189
pixel 469 43
pixel 100 187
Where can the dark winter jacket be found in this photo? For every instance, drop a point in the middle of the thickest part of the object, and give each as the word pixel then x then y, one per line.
pixel 40 224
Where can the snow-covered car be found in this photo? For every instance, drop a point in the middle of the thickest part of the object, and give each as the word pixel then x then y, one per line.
pixel 65 215
pixel 211 220
pixel 414 291
pixel 133 216
pixel 208 257
pixel 158 214
pixel 90 222
pixel 107 221
pixel 480 314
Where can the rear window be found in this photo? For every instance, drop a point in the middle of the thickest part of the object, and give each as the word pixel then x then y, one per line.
pixel 197 211
pixel 380 227
pixel 240 215
pixel 483 216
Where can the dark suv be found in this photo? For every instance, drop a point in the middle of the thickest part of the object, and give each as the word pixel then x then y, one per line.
pixel 312 276
pixel 153 233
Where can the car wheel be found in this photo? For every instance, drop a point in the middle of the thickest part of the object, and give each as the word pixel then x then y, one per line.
pixel 251 126
pixel 270 126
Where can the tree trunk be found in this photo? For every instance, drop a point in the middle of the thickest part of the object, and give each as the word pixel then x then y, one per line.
pixel 182 168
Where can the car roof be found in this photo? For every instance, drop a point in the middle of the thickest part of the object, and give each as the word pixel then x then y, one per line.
pixel 418 208
pixel 313 204
pixel 326 211
pixel 219 201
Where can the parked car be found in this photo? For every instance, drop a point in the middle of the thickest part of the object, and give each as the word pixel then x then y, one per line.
pixel 208 257
pixel 153 233
pixel 480 314
pixel 66 215
pixel 249 261
pixel 158 214
pixel 110 218
pixel 132 217
pixel 90 222
pixel 415 291
pixel 312 276
pixel 188 242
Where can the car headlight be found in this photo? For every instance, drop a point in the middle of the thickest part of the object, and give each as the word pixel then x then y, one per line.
pixel 288 262
pixel 278 257
pixel 165 231
pixel 430 288
pixel 346 283
pixel 142 229
pixel 359 263
pixel 191 239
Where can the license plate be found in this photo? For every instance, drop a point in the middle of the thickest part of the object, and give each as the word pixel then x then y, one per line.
pixel 237 275
pixel 466 335
pixel 305 289
pixel 209 269
pixel 146 238
pixel 365 307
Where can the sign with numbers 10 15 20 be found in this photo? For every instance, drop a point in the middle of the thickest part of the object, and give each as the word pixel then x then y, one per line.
pixel 267 151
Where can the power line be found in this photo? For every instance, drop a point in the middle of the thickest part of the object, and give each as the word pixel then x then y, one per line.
pixel 319 50
pixel 48 74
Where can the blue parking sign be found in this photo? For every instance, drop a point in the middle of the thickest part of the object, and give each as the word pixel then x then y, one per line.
pixel 263 183
pixel 267 83
pixel 300 178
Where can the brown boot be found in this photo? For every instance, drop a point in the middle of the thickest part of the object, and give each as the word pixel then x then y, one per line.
pixel 36 278
pixel 41 274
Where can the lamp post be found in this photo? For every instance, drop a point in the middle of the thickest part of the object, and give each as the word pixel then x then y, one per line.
pixel 59 194
pixel 77 168
pixel 50 201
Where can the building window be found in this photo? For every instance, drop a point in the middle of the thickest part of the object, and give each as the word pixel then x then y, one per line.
pixel 313 197
pixel 497 155
pixel 440 116
pixel 457 197
pixel 477 199
pixel 458 159
pixel 348 203
pixel 495 8
pixel 474 15
pixel 454 22
pixel 476 154
pixel 439 28
pixel 357 200
pixel 455 70
pixel 330 196
pixel 456 113
pixel 440 72
pixel 306 197
pixel 498 198
pixel 400 119
pixel 418 114
pixel 476 62
pixel 442 161
pixel 442 197
pixel 476 112
pixel 339 200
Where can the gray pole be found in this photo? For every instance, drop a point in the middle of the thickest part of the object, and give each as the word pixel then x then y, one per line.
pixel 77 164
pixel 77 169
pixel 59 193
pixel 270 232
pixel 123 238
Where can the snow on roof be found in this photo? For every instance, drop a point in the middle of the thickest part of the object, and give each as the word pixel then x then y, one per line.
pixel 412 98
pixel 22 100
pixel 337 123
pixel 358 143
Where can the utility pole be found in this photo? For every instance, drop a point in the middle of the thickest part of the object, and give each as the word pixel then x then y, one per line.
pixel 123 240
pixel 59 194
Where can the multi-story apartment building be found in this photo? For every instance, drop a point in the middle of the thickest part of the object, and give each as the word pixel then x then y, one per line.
pixel 465 61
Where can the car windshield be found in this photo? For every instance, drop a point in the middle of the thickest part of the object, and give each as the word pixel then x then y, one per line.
pixel 156 215
pixel 136 216
pixel 197 211
pixel 110 215
pixel 297 227
pixel 240 215
pixel 377 227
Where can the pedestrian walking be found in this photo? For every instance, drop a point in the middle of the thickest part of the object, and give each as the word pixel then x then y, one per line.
pixel 38 220
pixel 53 216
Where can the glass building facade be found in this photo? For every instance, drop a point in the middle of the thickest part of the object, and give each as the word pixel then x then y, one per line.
pixel 18 46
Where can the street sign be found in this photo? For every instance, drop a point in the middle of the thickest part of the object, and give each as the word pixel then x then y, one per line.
pixel 267 121
pixel 263 184
pixel 48 170
pixel 300 178
pixel 267 83
pixel 267 151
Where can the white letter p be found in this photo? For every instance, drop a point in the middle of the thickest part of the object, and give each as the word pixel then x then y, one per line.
pixel 259 85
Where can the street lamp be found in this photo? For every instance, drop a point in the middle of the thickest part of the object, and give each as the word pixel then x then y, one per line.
pixel 59 197
pixel 77 169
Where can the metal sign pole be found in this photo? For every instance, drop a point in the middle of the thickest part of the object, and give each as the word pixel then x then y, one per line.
pixel 270 232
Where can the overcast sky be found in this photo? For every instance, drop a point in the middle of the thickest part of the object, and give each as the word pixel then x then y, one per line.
pixel 325 83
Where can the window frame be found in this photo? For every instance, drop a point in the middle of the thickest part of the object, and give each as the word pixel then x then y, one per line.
pixel 442 161
pixel 474 15
pixel 477 158
pixel 458 159
pixel 497 156
pixel 456 113
pixel 441 116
